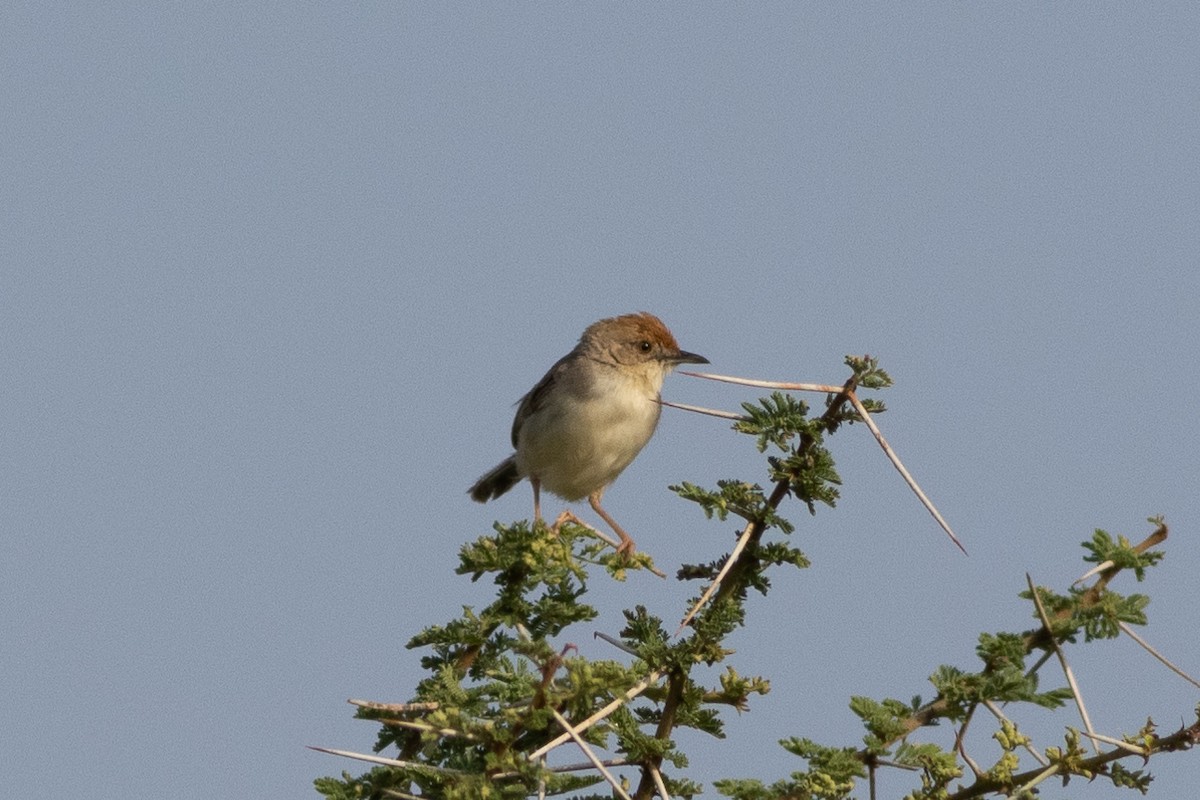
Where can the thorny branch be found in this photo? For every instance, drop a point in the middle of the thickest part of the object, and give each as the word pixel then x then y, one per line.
pixel 734 576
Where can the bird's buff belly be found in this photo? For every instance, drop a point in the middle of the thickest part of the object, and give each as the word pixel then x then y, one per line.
pixel 573 464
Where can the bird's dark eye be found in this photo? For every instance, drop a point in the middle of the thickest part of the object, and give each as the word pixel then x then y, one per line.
pixel 645 346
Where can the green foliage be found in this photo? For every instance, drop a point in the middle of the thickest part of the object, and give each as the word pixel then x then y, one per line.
pixel 936 766
pixel 884 721
pixel 963 690
pixel 1129 778
pixel 777 420
pixel 500 682
pixel 1123 555
pixel 1096 615
pixel 830 776
pixel 867 373
pixel 745 500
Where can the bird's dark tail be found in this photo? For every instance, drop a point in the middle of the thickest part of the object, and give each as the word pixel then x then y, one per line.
pixel 496 482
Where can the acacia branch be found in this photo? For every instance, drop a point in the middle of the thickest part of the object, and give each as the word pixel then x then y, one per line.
pixel 1180 740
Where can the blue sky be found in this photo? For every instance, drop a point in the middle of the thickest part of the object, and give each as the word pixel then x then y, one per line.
pixel 273 277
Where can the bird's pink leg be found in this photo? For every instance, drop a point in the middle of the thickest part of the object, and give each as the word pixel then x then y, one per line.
pixel 537 499
pixel 626 547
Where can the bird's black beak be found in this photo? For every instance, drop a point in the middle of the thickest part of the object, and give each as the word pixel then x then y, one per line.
pixel 684 357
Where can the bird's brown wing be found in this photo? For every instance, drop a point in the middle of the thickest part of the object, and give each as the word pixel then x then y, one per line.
pixel 535 397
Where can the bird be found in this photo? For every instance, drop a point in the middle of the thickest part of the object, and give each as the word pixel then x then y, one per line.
pixel 590 415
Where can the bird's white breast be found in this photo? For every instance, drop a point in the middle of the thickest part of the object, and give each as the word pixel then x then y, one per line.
pixel 581 442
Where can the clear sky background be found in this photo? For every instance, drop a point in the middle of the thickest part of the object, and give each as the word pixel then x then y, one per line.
pixel 272 277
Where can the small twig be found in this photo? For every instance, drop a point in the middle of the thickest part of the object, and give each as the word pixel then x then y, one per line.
pixel 631 693
pixel 992 707
pixel 1094 570
pixel 794 387
pixel 712 412
pixel 425 727
pixel 1129 631
pixel 895 459
pixel 387 762
pixel 743 540
pixel 579 767
pixel 962 751
pixel 1042 659
pixel 659 783
pixel 395 708
pixel 1129 746
pixel 1036 779
pixel 615 642
pixel 961 746
pixel 587 751
pixel 1062 660
pixel 401 795
pixel 667 718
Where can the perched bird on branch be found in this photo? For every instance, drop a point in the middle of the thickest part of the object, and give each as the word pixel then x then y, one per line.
pixel 590 415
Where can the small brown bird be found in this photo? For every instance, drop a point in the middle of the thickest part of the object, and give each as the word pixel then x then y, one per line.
pixel 590 415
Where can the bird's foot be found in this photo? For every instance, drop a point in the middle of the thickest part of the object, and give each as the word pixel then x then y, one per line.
pixel 570 516
pixel 625 548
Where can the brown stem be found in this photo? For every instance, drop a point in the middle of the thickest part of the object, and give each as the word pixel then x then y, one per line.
pixel 666 724
pixel 783 487
pixel 1180 740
